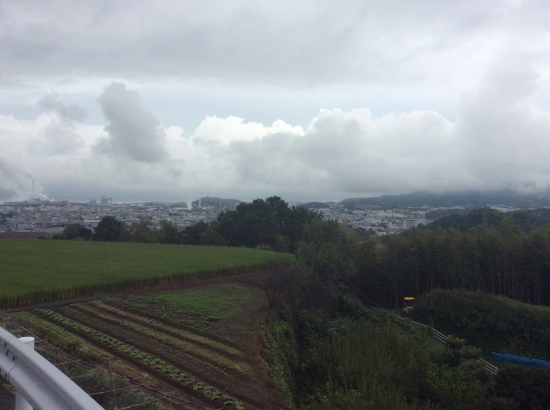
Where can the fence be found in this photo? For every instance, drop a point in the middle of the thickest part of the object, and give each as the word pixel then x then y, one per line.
pixel 110 389
pixel 38 383
pixel 444 339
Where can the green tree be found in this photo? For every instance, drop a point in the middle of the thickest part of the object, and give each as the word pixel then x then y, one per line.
pixel 265 222
pixel 108 230
pixel 281 244
pixel 140 233
pixel 212 237
pixel 192 235
pixel 168 233
pixel 76 231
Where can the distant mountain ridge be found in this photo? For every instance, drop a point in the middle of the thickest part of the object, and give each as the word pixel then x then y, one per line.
pixel 467 199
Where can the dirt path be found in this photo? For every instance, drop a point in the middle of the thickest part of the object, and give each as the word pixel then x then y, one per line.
pixel 46 305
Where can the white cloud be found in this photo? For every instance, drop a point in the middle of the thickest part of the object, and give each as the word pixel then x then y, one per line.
pixel 133 131
pixel 56 139
pixel 222 131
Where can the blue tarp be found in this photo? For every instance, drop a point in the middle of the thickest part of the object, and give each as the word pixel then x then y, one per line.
pixel 526 361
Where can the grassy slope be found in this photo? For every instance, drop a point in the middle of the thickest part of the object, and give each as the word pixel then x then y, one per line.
pixel 493 323
pixel 222 302
pixel 34 270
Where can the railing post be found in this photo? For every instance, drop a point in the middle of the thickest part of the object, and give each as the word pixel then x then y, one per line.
pixel 42 384
pixel 20 402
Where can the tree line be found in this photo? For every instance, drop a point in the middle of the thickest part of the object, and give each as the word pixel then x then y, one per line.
pixel 270 224
pixel 525 220
pixel 503 261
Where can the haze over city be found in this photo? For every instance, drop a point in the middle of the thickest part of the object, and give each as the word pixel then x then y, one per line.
pixel 143 100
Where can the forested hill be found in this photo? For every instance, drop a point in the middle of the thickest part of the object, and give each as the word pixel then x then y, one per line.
pixel 525 220
pixel 470 199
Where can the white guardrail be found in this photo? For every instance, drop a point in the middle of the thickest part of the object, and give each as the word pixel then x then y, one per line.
pixel 443 339
pixel 38 383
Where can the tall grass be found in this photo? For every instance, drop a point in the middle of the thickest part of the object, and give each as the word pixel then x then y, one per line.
pixel 41 271
pixel 370 368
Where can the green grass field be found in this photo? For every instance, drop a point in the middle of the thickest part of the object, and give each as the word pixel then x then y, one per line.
pixel 222 302
pixel 39 271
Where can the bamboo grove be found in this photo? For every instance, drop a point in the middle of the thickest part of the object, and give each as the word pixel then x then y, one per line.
pixel 503 261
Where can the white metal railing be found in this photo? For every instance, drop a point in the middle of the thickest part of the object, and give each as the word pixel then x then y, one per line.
pixel 443 339
pixel 38 383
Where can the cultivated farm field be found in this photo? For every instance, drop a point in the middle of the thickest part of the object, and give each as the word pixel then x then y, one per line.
pixel 41 271
pixel 202 339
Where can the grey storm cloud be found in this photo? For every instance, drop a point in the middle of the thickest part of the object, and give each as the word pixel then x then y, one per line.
pixel 67 112
pixel 132 130
pixel 283 42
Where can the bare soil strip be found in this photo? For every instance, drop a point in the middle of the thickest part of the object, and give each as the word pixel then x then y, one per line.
pixel 52 304
pixel 123 318
pixel 200 352
pixel 170 322
pixel 202 341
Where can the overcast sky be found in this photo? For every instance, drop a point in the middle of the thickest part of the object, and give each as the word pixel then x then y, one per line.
pixel 173 100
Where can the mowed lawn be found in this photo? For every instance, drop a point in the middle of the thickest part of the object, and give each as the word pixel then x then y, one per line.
pixel 37 271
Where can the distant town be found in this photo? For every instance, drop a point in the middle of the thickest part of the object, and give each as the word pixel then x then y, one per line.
pixel 51 217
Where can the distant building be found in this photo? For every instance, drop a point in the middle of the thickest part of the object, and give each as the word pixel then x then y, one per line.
pixel 409 223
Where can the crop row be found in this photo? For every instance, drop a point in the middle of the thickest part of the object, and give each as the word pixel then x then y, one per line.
pixel 148 359
pixel 168 329
pixel 194 352
pixel 42 271
pixel 193 319
pixel 57 292
pixel 77 346
pixel 57 335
